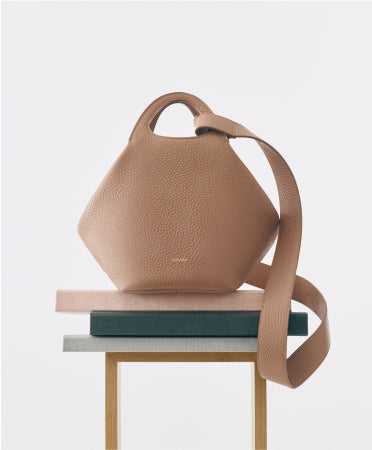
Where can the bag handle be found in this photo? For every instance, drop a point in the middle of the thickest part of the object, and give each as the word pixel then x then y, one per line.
pixel 147 121
pixel 279 280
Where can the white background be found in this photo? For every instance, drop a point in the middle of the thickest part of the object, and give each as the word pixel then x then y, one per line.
pixel 76 76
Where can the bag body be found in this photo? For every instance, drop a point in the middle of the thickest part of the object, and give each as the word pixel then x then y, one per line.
pixel 178 215
pixel 185 215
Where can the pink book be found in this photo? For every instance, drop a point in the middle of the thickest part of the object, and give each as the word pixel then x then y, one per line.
pixel 85 301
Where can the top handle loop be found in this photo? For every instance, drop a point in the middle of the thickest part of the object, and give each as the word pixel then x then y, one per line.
pixel 147 121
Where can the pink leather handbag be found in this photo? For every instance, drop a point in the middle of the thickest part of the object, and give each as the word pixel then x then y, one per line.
pixel 184 215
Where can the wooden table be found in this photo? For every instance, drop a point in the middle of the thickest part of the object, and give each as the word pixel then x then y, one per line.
pixel 120 349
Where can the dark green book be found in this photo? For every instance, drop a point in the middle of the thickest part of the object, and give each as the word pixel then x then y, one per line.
pixel 187 323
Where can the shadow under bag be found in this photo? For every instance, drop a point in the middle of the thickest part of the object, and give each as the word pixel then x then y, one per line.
pixel 184 215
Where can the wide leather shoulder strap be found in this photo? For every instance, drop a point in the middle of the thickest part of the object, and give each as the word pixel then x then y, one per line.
pixel 279 280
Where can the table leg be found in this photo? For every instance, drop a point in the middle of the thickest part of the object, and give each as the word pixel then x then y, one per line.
pixel 111 403
pixel 259 413
pixel 259 426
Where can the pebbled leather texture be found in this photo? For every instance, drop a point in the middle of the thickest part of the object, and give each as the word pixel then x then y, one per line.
pixel 186 215
pixel 279 280
pixel 178 214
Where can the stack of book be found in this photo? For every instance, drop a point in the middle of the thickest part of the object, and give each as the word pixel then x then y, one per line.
pixel 119 314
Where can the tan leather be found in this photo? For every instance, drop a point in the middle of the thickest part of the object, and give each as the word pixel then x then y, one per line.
pixel 279 280
pixel 178 214
pixel 186 215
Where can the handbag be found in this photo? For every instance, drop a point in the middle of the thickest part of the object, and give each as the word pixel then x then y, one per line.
pixel 185 215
